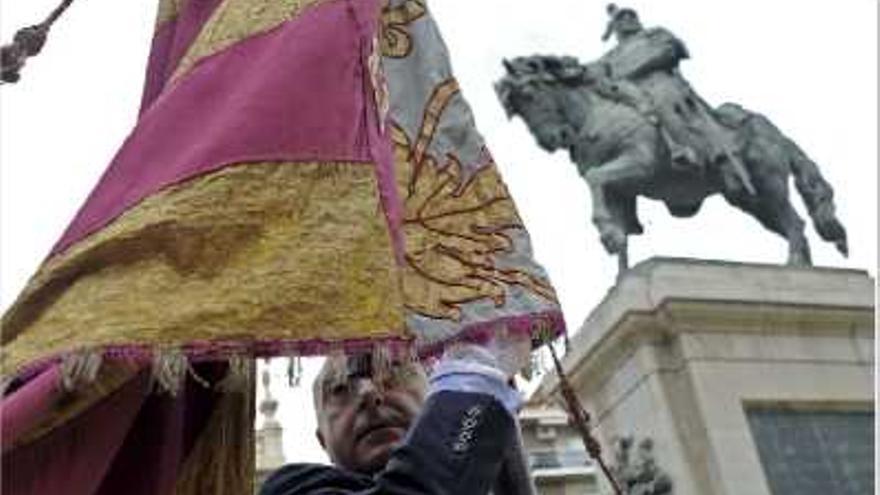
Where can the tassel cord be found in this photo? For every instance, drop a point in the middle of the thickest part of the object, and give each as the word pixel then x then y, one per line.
pixel 26 43
pixel 581 421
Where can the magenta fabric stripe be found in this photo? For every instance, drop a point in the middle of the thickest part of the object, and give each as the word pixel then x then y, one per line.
pixel 75 457
pixel 163 435
pixel 293 94
pixel 27 406
pixel 383 156
pixel 190 20
pixel 381 149
pixel 157 64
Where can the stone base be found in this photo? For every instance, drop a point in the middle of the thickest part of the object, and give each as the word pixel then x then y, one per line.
pixel 681 351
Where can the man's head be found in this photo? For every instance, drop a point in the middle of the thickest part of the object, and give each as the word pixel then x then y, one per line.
pixel 363 413
pixel 623 23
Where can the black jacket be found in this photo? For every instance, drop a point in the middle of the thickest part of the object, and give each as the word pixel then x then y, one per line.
pixel 455 447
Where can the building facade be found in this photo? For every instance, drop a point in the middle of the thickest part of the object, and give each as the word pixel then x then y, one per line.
pixel 556 456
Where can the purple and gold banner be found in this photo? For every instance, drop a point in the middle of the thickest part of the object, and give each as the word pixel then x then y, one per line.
pixel 305 176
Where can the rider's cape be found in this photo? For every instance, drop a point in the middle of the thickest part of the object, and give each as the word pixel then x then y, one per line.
pixel 305 177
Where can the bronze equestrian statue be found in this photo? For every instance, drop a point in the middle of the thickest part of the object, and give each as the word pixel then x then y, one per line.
pixel 634 126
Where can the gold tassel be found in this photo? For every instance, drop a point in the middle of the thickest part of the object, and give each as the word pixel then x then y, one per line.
pixel 381 364
pixel 79 368
pixel 337 369
pixel 294 371
pixel 169 370
pixel 223 458
pixel 237 374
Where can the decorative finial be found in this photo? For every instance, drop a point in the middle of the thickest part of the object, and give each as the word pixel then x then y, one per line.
pixel 269 404
pixel 266 378
pixel 26 43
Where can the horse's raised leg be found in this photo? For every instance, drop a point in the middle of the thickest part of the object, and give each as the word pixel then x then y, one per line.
pixel 610 227
pixel 607 184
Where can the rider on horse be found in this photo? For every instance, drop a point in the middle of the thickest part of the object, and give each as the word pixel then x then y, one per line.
pixel 643 70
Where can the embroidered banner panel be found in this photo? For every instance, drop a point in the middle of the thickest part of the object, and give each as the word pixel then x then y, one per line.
pixel 468 260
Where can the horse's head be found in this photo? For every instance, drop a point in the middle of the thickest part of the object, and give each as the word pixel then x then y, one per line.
pixel 541 90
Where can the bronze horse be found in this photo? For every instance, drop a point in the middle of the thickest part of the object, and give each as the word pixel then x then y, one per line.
pixel 621 154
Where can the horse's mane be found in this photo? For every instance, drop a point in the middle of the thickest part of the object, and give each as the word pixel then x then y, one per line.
pixel 548 68
pixel 525 72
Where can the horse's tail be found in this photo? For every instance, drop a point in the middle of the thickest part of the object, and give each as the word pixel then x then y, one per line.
pixel 819 198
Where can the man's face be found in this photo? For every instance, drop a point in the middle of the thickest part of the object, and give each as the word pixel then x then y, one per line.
pixel 361 421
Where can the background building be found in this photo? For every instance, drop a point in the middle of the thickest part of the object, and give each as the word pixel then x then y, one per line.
pixel 556 455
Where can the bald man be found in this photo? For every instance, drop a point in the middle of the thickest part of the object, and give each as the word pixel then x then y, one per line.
pixel 396 432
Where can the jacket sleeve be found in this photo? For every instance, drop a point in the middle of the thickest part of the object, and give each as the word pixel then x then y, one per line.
pixel 456 446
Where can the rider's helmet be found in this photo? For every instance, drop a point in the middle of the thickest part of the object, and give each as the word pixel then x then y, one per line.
pixel 615 14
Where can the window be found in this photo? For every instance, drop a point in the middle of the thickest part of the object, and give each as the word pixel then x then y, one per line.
pixel 546 433
pixel 552 459
pixel 815 452
pixel 544 460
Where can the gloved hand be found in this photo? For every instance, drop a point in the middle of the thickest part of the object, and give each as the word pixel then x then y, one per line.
pixel 488 369
pixel 476 368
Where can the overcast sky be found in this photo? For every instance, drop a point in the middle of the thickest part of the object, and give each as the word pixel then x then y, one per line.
pixel 811 67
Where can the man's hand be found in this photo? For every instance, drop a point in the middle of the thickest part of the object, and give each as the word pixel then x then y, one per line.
pixel 475 368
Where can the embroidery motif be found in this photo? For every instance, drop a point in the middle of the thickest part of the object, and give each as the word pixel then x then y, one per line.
pixel 396 40
pixel 454 226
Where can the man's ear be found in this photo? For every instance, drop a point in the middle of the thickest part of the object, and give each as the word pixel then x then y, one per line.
pixel 320 437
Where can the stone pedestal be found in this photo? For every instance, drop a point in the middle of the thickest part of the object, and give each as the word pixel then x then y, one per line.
pixel 689 353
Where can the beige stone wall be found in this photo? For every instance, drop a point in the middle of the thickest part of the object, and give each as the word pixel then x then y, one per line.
pixel 678 349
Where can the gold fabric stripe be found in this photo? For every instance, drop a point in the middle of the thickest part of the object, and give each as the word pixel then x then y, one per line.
pixel 237 20
pixel 168 11
pixel 292 251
